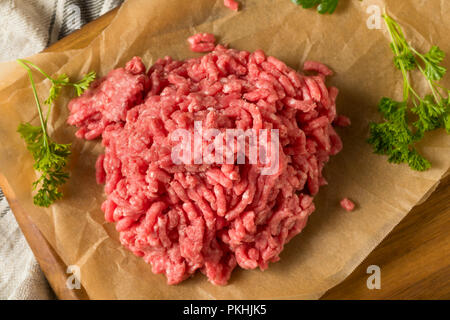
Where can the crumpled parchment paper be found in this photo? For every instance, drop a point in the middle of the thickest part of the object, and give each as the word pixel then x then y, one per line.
pixel 334 241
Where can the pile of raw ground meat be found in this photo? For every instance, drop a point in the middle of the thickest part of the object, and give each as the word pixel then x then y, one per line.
pixel 208 217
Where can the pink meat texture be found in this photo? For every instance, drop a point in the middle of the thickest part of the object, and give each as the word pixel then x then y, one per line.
pixel 347 204
pixel 202 42
pixel 231 4
pixel 209 217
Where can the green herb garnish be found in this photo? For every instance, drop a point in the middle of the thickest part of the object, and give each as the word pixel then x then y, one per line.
pixel 50 157
pixel 397 135
pixel 323 6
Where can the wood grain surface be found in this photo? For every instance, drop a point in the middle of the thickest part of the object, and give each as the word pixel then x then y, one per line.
pixel 414 258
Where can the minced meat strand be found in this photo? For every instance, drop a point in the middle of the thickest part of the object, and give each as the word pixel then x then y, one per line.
pixel 202 42
pixel 208 217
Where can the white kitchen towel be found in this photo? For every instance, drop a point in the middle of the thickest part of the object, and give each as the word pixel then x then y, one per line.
pixel 28 27
pixel 20 276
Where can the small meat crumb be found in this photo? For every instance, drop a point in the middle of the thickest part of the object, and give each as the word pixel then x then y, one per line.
pixel 231 4
pixel 347 204
pixel 342 121
pixel 202 42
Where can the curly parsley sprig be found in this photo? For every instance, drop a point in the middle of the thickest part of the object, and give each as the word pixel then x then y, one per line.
pixel 397 135
pixel 50 157
pixel 323 6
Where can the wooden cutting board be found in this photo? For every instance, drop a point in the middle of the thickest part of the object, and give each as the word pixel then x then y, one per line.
pixel 414 258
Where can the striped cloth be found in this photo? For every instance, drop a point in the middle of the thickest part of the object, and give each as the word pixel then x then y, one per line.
pixel 4 209
pixel 20 275
pixel 28 27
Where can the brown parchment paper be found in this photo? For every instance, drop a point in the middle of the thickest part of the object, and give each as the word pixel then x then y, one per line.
pixel 334 242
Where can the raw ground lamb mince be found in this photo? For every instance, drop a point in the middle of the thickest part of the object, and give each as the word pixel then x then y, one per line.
pixel 181 218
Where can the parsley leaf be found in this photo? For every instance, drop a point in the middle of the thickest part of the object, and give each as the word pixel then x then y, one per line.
pixel 433 59
pixel 392 137
pixel 429 114
pixel 50 157
pixel 417 162
pixel 84 83
pixel 446 104
pixel 405 58
pixel 50 160
pixel 55 90
pixel 396 135
pixel 327 6
pixel 63 81
pixel 323 6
